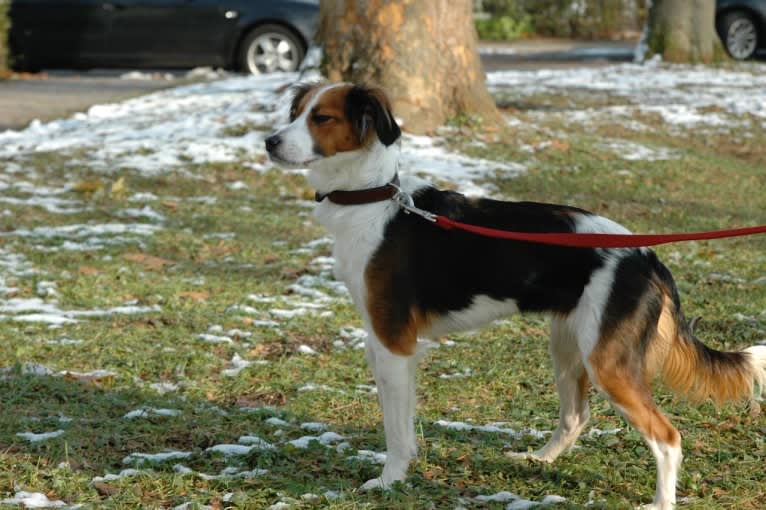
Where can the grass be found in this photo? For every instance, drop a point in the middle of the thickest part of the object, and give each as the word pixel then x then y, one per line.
pixel 219 245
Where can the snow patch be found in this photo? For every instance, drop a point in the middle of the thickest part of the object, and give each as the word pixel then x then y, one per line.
pixel 36 438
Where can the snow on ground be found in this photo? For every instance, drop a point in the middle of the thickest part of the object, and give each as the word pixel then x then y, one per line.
pixel 689 96
pixel 172 129
pixel 424 156
pixel 37 310
pixel 494 428
pixel 26 499
pixel 147 412
pixel 125 473
pixel 81 237
pixel 140 458
pixel 517 502
pixel 165 129
pixel 36 438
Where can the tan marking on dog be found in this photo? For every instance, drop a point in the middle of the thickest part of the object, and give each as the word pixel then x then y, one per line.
pixel 337 134
pixel 621 378
pixel 636 403
pixel 305 100
pixel 664 338
pixel 686 370
pixel 399 334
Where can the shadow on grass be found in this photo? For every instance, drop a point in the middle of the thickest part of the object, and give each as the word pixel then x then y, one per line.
pixel 97 438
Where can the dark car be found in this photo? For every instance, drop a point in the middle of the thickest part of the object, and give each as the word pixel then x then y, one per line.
pixel 256 36
pixel 741 24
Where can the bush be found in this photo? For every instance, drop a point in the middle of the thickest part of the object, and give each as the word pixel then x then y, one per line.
pixel 5 26
pixel 503 28
pixel 508 19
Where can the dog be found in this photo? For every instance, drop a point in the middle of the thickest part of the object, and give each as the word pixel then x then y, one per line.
pixel 616 319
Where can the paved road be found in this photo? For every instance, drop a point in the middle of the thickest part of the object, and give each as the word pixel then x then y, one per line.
pixel 548 53
pixel 61 93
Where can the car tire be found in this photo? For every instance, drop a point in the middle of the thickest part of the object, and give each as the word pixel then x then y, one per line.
pixel 271 48
pixel 739 34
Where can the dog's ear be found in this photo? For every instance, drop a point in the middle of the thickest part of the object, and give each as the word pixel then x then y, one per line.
pixel 369 107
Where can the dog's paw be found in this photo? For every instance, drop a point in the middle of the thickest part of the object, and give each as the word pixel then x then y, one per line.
pixel 528 456
pixel 374 483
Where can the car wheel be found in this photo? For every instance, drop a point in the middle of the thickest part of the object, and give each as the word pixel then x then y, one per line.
pixel 739 34
pixel 271 48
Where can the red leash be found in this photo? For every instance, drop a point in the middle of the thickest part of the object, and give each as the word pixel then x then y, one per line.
pixel 586 240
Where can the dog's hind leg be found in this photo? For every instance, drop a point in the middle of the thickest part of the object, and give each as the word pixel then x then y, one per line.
pixel 621 364
pixel 395 380
pixel 630 394
pixel 572 384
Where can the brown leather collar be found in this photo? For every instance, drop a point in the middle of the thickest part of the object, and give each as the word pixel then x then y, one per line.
pixel 362 196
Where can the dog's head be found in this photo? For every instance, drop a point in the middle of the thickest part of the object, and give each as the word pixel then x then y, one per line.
pixel 343 133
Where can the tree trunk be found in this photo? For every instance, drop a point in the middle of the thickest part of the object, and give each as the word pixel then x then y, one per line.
pixel 683 31
pixel 423 53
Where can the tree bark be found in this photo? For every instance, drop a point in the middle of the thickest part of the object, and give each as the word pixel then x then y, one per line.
pixel 423 53
pixel 683 31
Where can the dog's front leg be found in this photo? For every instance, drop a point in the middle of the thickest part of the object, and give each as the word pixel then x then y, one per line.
pixel 395 379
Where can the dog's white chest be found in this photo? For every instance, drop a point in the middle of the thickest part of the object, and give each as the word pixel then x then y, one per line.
pixel 358 231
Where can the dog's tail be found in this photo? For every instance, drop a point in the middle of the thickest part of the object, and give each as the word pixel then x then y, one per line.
pixel 694 369
pixel 690 367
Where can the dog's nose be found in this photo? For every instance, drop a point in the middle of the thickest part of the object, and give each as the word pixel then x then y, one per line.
pixel 273 142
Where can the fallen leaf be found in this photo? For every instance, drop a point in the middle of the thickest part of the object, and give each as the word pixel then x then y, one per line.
pixel 291 272
pixel 194 295
pixel 149 261
pixel 105 489
pixel 118 186
pixel 88 186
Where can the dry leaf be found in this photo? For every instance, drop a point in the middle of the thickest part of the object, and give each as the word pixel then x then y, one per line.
pixel 89 186
pixel 105 489
pixel 118 186
pixel 149 261
pixel 195 295
pixel 88 270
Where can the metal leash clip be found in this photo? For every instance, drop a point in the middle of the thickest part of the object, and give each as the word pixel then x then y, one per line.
pixel 404 200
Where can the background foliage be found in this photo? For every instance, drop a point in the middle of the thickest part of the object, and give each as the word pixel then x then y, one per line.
pixel 510 19
pixel 4 27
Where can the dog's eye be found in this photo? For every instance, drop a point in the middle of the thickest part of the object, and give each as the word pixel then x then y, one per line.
pixel 320 119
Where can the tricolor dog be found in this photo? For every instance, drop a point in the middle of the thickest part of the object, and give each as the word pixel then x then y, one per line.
pixel 616 319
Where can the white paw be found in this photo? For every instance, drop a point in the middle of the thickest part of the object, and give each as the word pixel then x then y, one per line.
pixel 529 456
pixel 374 483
